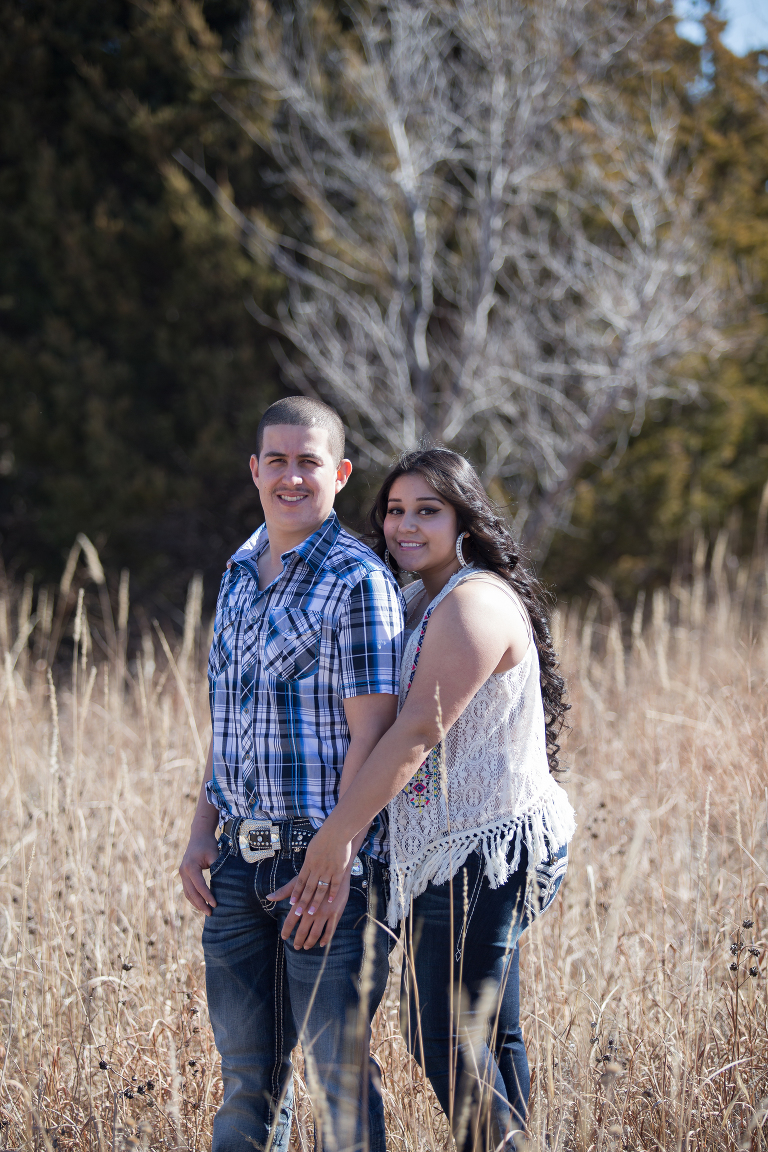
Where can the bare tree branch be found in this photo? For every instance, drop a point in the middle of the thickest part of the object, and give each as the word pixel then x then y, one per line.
pixel 499 253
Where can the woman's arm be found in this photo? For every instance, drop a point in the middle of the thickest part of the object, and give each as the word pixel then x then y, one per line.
pixel 469 634
pixel 368 718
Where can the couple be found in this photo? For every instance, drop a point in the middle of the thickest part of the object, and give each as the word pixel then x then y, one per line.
pixel 377 757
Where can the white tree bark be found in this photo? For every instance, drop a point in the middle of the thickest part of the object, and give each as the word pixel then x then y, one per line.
pixel 493 252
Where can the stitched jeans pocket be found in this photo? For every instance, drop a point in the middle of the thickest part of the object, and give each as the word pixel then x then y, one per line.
pixel 225 848
pixel 548 877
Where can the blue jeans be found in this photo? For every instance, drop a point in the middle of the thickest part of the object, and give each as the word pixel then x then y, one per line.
pixel 463 1021
pixel 264 996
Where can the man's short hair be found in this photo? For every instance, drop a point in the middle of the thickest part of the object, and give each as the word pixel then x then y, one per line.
pixel 306 413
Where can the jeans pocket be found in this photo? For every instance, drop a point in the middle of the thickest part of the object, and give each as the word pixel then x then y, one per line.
pixel 364 893
pixel 359 890
pixel 225 849
pixel 546 881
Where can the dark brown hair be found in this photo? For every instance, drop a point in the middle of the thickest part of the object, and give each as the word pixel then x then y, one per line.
pixel 306 412
pixel 491 546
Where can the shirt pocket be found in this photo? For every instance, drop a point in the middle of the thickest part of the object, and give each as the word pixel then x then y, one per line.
pixel 222 647
pixel 292 646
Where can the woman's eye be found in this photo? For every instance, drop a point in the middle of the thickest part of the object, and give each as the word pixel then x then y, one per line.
pixel 393 511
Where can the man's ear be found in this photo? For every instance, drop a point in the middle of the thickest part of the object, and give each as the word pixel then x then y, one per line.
pixel 254 466
pixel 343 472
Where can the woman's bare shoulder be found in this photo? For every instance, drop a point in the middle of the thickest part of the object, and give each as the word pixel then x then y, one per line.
pixel 485 589
pixel 484 602
pixel 486 613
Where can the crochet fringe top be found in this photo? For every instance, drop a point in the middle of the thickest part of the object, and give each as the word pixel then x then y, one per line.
pixel 487 786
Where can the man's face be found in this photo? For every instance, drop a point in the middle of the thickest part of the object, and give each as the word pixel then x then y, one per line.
pixel 297 479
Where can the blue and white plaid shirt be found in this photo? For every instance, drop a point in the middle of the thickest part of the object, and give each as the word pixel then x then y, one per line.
pixel 282 663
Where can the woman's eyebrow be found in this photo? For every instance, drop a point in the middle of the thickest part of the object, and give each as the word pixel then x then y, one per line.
pixel 398 499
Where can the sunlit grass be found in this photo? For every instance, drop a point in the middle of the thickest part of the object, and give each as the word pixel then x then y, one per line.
pixel 643 988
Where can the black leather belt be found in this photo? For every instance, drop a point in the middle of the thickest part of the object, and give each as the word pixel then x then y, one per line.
pixel 261 839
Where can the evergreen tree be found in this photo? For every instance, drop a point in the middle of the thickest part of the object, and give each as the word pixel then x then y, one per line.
pixel 132 375
pixel 696 468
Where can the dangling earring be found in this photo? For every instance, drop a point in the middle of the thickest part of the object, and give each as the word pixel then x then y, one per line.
pixel 459 550
pixel 386 559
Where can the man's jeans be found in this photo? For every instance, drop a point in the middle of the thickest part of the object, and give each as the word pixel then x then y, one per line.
pixel 264 996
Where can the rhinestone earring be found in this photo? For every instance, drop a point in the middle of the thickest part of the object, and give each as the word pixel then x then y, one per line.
pixel 459 549
pixel 386 559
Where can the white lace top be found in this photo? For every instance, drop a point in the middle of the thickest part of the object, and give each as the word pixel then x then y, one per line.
pixel 486 787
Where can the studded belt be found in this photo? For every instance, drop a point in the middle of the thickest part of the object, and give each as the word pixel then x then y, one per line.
pixel 261 839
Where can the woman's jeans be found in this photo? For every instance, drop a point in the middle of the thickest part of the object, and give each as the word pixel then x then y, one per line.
pixel 264 996
pixel 463 1021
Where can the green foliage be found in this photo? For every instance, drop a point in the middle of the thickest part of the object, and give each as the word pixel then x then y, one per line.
pixel 132 375
pixel 702 466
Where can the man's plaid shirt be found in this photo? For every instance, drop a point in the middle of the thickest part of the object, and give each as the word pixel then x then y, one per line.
pixel 282 663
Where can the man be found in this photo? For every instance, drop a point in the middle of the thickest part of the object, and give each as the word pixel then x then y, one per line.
pixel 303 677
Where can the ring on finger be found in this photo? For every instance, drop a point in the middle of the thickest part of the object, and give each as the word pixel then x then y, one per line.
pixel 323 883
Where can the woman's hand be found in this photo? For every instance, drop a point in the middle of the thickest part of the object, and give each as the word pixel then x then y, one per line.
pixel 317 929
pixel 326 859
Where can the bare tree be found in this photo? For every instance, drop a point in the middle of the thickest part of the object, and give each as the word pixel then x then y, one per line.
pixel 494 249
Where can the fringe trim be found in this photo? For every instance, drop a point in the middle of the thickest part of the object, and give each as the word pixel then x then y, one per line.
pixel 549 825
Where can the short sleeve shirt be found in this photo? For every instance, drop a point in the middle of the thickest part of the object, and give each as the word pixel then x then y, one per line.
pixel 282 663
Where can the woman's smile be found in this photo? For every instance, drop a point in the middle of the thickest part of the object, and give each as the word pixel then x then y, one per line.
pixel 420 530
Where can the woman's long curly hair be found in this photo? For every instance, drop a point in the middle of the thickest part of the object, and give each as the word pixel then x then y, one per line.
pixel 490 546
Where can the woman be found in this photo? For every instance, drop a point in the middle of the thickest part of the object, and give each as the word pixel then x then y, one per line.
pixel 478 826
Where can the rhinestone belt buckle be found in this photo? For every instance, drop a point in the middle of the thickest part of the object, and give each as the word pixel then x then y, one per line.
pixel 257 840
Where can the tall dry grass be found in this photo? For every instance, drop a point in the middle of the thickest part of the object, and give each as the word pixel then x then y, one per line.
pixel 644 996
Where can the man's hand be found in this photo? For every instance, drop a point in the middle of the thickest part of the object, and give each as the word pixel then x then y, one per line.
pixel 202 849
pixel 201 852
pixel 318 927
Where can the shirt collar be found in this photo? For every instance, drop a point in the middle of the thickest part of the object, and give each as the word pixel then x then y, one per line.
pixel 313 551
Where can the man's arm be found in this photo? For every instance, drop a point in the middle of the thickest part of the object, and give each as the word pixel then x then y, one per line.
pixel 368 718
pixel 202 848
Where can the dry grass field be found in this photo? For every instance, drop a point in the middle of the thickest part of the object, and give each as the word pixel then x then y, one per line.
pixel 644 988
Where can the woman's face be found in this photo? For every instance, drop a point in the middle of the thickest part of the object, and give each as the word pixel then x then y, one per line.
pixel 420 527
